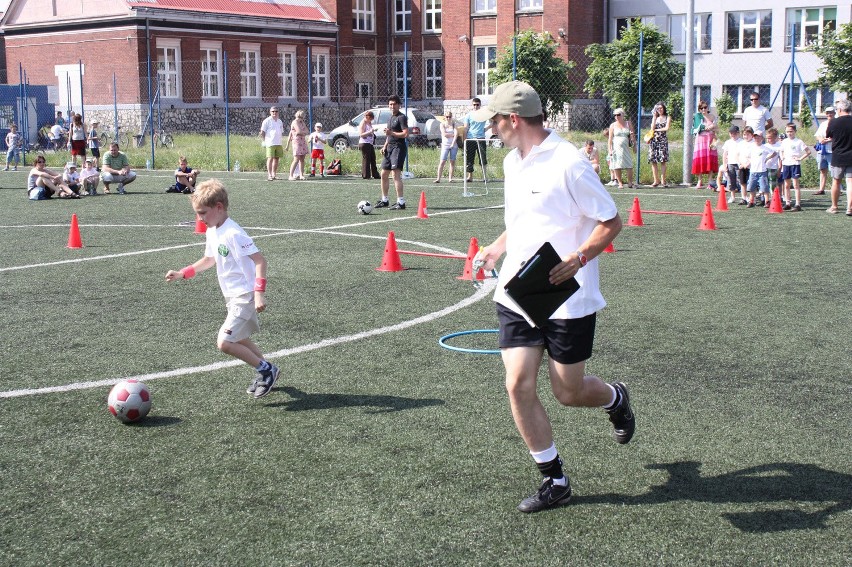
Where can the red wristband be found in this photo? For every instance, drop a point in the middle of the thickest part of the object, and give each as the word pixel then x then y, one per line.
pixel 260 284
pixel 188 272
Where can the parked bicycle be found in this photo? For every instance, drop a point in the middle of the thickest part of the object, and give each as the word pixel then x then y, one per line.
pixel 108 136
pixel 162 139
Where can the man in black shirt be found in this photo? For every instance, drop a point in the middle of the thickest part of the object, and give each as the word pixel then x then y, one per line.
pixel 394 151
pixel 840 132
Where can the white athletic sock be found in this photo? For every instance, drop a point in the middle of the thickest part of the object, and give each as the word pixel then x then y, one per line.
pixel 611 404
pixel 545 456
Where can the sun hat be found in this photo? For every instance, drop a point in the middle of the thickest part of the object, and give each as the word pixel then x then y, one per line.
pixel 829 109
pixel 514 97
pixel 71 165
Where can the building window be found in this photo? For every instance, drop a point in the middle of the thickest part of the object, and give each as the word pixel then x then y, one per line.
pixel 530 5
pixel 750 30
pixel 622 24
pixel 168 69
pixel 702 92
pixel 703 32
pixel 432 13
pixel 287 72
pixel 211 72
pixel 402 76
pixel 434 78
pixel 806 25
pixel 250 70
pixel 741 93
pixel 363 15
pixel 485 61
pixel 319 75
pixel 480 6
pixel 819 97
pixel 402 16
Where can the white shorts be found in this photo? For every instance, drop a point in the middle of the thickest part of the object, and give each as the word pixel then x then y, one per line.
pixel 241 322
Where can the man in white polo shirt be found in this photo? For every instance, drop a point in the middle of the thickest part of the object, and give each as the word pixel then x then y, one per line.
pixel 551 195
pixel 757 116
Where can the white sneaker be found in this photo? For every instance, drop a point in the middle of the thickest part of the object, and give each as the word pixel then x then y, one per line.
pixel 731 199
pixel 612 183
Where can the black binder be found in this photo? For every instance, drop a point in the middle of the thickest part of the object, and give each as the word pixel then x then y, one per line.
pixel 532 290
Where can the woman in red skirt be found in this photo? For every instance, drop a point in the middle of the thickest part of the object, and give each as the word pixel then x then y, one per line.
pixel 705 159
pixel 77 136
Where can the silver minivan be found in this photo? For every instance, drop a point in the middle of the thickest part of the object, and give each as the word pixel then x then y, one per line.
pixel 423 129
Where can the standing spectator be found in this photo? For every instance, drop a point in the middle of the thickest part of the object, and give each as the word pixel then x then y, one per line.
pixel 366 143
pixel 731 160
pixel 705 158
pixel 116 169
pixel 77 136
pixel 793 151
pixel 57 137
pixel 449 148
pixel 590 152
pixel 89 177
pixel 95 144
pixel 840 132
pixel 297 136
pixel 575 213
pixel 474 144
pixel 60 119
pixel 272 133
pixel 757 116
pixel 14 141
pixel 394 151
pixel 185 176
pixel 619 143
pixel 658 147
pixel 318 140
pixel 43 183
pixel 824 156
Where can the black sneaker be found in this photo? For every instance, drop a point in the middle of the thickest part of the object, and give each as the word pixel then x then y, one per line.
pixel 750 206
pixel 381 204
pixel 263 385
pixel 622 417
pixel 786 207
pixel 397 206
pixel 743 202
pixel 548 495
pixel 797 208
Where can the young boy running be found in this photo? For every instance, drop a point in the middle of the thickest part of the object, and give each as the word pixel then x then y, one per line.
pixel 773 166
pixel 793 151
pixel 241 269
pixel 318 139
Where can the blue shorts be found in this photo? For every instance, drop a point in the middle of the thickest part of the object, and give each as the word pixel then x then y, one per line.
pixel 825 161
pixel 449 153
pixel 791 171
pixel 568 341
pixel 758 179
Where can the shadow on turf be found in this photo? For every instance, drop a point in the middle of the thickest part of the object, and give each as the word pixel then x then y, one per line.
pixel 771 483
pixel 303 401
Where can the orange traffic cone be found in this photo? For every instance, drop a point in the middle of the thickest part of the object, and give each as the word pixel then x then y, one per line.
pixel 467 273
pixel 609 248
pixel 200 227
pixel 635 218
pixel 391 261
pixel 775 205
pixel 722 203
pixel 421 210
pixel 707 222
pixel 74 240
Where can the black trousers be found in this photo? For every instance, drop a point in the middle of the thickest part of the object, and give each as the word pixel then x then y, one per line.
pixel 368 161
pixel 474 148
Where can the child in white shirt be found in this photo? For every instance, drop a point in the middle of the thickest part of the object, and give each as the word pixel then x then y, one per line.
pixel 318 140
pixel 71 178
pixel 773 166
pixel 90 177
pixel 758 179
pixel 793 151
pixel 731 161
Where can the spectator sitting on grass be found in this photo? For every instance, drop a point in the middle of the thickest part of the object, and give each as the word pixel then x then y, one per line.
pixel 43 183
pixel 185 177
pixel 116 169
pixel 71 178
pixel 90 177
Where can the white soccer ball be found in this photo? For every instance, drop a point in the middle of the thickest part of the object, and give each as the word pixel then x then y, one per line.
pixel 129 400
pixel 365 208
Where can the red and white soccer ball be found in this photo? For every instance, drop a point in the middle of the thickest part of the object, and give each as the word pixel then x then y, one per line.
pixel 129 400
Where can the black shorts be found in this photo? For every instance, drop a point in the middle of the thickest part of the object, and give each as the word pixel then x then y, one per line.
pixel 95 152
pixel 568 341
pixel 395 157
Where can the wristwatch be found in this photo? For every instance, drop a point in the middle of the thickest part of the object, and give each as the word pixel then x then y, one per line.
pixel 582 258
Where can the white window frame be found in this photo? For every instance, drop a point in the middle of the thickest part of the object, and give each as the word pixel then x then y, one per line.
pixel 402 16
pixel 628 22
pixel 742 27
pixel 250 79
pixel 400 77
pixel 211 79
pixel 530 5
pixel 481 86
pixel 164 73
pixel 484 6
pixel 287 72
pixel 363 16
pixel 703 30
pixel 801 39
pixel 433 78
pixel 432 16
pixel 320 62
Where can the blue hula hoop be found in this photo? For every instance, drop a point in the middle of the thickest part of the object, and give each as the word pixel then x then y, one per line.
pixel 443 343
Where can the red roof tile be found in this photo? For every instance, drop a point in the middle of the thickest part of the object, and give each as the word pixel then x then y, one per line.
pixel 285 9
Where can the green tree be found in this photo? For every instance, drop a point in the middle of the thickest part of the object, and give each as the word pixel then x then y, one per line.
pixel 674 106
pixel 725 108
pixel 614 70
pixel 539 66
pixel 806 119
pixel 835 50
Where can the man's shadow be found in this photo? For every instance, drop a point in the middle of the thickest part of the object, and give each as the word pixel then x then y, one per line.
pixel 770 483
pixel 303 401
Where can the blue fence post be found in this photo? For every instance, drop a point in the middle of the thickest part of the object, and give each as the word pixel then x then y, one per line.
pixel 310 90
pixel 639 106
pixel 150 99
pixel 407 173
pixel 227 127
pixel 82 104
pixel 115 107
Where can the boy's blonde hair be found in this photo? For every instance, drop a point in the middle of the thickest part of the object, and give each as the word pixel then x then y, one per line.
pixel 209 193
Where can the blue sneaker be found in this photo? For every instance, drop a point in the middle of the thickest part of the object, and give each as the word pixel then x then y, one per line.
pixel 263 384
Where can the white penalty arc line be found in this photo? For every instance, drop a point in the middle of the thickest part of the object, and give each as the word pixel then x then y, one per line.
pixel 478 295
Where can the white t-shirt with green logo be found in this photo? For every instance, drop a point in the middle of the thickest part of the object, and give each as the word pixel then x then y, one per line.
pixel 231 247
